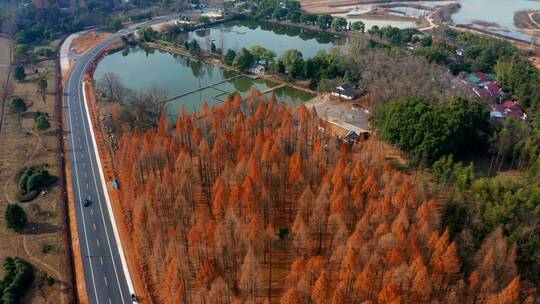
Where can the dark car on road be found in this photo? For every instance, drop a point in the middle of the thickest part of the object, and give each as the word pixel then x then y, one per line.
pixel 86 202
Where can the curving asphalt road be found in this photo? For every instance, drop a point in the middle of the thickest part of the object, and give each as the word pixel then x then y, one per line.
pixel 106 274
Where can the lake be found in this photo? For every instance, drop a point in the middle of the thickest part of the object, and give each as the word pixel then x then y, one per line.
pixel 495 11
pixel 142 69
pixel 277 37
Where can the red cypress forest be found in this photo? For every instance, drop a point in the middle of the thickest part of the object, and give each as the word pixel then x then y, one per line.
pixel 254 202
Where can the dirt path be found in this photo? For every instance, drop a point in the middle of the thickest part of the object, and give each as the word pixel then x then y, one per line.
pixel 33 258
pixel 531 14
pixel 23 146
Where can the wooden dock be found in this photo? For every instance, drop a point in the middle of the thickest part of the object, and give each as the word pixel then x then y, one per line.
pixel 273 89
pixel 204 88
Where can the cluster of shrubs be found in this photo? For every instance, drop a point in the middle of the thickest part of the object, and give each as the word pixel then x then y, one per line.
pixel 17 105
pixel 15 217
pixel 18 277
pixel 32 180
pixel 46 279
pixel 42 121
pixel 44 52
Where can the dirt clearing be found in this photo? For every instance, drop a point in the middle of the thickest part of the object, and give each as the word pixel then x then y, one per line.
pixel 87 41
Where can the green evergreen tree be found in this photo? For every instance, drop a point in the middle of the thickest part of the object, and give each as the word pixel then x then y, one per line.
pixel 15 217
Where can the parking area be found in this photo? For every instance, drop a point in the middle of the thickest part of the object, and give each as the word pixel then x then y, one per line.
pixel 340 113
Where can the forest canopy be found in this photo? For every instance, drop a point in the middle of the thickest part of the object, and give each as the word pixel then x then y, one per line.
pixel 427 131
pixel 252 202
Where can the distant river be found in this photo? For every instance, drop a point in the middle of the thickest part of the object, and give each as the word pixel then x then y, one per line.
pixel 500 12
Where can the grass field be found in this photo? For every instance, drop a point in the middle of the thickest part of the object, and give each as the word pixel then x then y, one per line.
pixel 41 243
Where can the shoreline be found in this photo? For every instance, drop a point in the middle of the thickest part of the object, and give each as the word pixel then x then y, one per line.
pixel 513 40
pixel 439 16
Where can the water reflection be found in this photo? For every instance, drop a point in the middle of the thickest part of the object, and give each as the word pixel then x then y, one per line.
pixel 278 37
pixel 142 69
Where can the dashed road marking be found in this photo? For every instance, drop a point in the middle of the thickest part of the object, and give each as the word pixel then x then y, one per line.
pixel 101 260
pixel 94 224
pixel 106 283
pixel 92 211
pixel 97 242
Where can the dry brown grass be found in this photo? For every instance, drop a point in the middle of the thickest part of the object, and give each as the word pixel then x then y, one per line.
pixel 23 145
pixel 87 41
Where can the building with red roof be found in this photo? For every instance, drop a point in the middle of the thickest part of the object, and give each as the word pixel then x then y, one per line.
pixel 509 108
pixel 494 90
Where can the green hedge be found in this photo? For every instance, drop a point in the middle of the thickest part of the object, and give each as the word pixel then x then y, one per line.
pixel 17 105
pixel 32 180
pixel 27 196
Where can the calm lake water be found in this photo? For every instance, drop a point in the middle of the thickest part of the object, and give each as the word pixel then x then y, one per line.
pixel 279 38
pixel 496 11
pixel 142 70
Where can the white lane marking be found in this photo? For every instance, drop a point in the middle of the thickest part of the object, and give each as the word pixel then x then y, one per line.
pixel 122 256
pixel 94 224
pixel 92 211
pixel 80 199
pixel 104 191
pixel 85 175
pixel 97 242
pixel 101 260
pixel 86 186
pixel 106 283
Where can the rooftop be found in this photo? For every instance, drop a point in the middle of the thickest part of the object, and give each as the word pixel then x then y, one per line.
pixel 510 108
